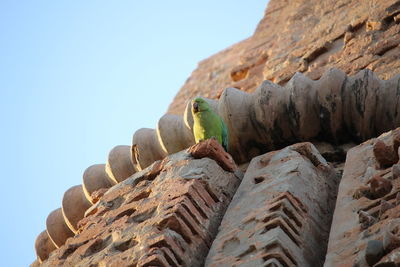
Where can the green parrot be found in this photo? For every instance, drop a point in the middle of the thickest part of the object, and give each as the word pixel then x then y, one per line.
pixel 208 124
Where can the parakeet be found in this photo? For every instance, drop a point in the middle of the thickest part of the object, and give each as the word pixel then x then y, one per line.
pixel 208 124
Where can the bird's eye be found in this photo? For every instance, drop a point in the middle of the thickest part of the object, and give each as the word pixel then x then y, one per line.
pixel 195 107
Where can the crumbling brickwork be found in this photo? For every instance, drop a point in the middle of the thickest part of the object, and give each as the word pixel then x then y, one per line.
pixel 149 210
pixel 281 213
pixel 307 36
pixel 166 215
pixel 365 227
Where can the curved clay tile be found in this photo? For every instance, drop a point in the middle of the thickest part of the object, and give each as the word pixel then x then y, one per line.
pixel 57 229
pixel 74 205
pixel 119 164
pixel 95 178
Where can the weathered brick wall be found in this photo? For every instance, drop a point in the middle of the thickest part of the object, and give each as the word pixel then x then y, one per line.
pixel 169 214
pixel 281 212
pixel 307 36
pixel 166 215
pixel 366 222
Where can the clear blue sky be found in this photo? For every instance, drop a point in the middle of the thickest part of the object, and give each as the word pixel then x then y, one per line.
pixel 80 77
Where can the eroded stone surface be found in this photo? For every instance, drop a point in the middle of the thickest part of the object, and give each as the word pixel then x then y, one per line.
pixel 373 251
pixel 212 149
pixel 307 36
pixel 366 209
pixel 336 108
pixel 165 215
pixel 385 155
pixel 281 212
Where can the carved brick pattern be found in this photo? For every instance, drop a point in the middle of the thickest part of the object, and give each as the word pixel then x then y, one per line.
pixel 275 218
pixel 362 218
pixel 165 220
pixel 186 215
pixel 373 208
pixel 285 213
pixel 276 252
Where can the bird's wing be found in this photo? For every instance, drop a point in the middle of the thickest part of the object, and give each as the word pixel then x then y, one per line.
pixel 224 134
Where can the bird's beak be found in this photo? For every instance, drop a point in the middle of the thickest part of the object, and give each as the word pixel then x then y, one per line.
pixel 195 107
